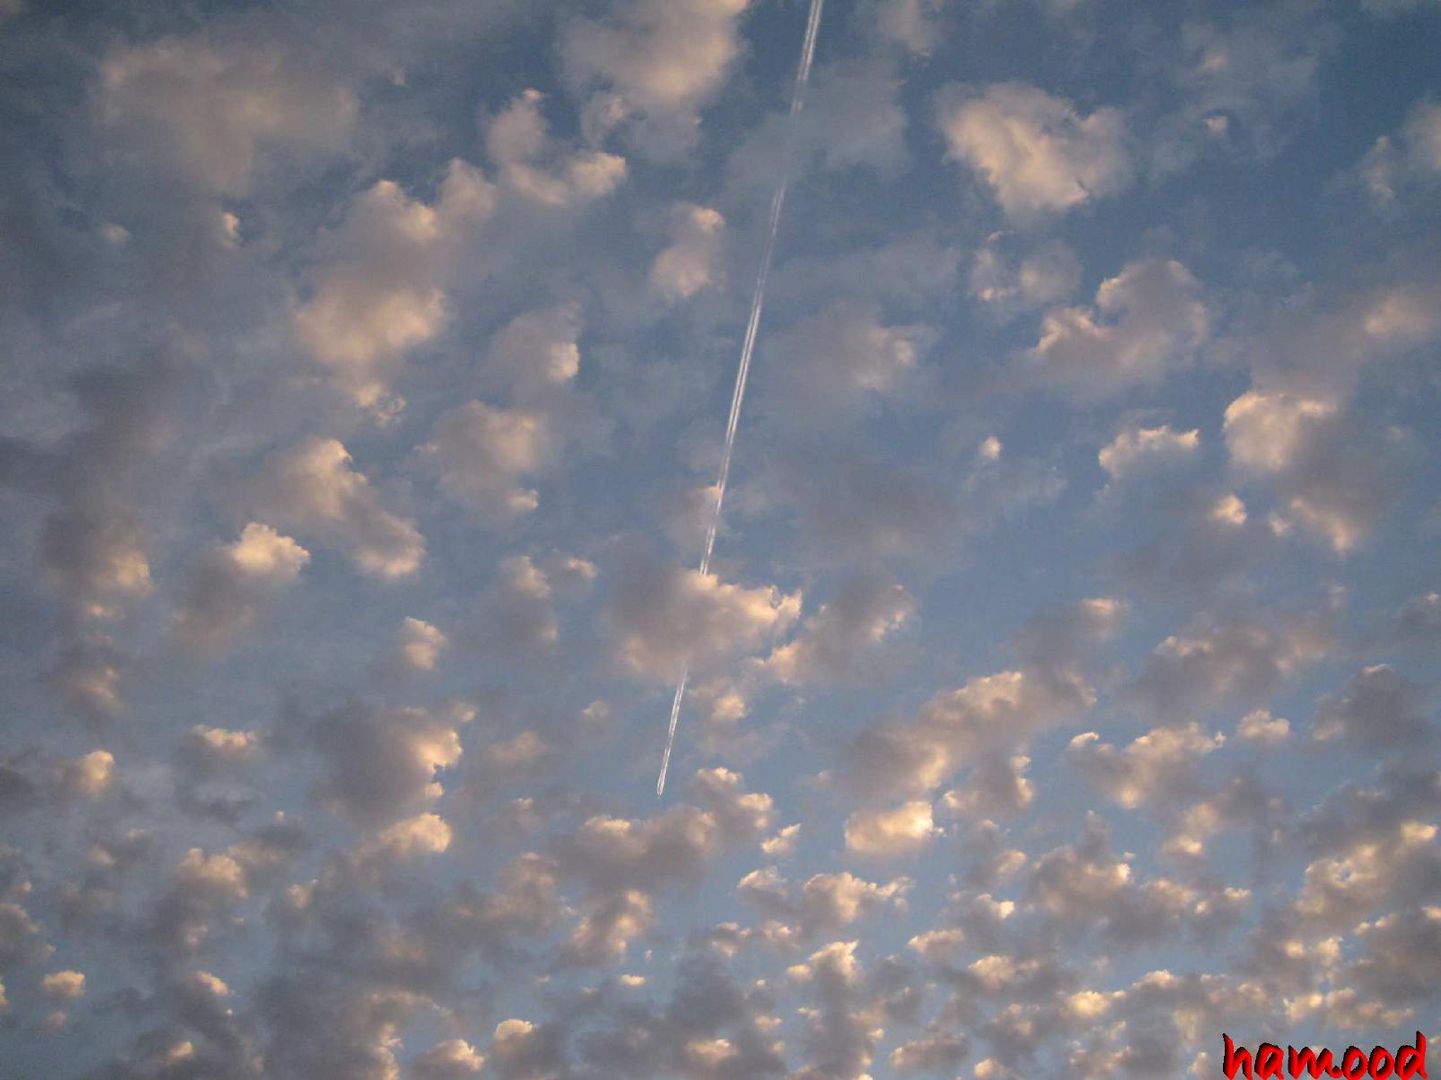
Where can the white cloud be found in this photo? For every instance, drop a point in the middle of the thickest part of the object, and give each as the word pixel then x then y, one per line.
pixel 1136 448
pixel 656 62
pixel 540 170
pixel 989 712
pixel 688 264
pixel 314 489
pixel 424 834
pixel 825 902
pixel 419 645
pixel 88 776
pixel 905 829
pixel 233 583
pixel 452 1059
pixel 1259 726
pixel 1266 432
pixel 1035 151
pixel 64 985
pixel 382 293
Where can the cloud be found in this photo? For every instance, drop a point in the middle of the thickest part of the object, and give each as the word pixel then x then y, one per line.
pixel 93 544
pixel 1140 448
pixel 382 292
pixel 844 1029
pixel 210 749
pixel 1419 618
pixel 1003 550
pixel 1148 320
pixel 419 645
pixel 1088 885
pixel 914 25
pixel 381 764
pixel 21 939
pixel 521 1050
pixel 664 617
pixel 606 932
pixel 1329 475
pixel 824 903
pixel 987 713
pixel 1409 161
pixel 539 170
pixel 997 786
pixel 538 350
pixel 232 584
pixel 1389 868
pixel 1259 726
pixel 1158 766
pixel 215 107
pixel 88 776
pixel 451 1059
pixel 1378 710
pixel 689 263
pixel 202 888
pixel 1036 152
pixel 654 64
pixel 834 643
pixel 1266 432
pixel 614 854
pixel 483 453
pixel 1413 158
pixel 1046 275
pixel 520 618
pixel 313 488
pixel 98 556
pixel 841 359
pixel 851 507
pixel 1225 661
pixel 937 1053
pixel 905 829
pixel 1247 83
pixel 408 839
pixel 90 678
pixel 64 985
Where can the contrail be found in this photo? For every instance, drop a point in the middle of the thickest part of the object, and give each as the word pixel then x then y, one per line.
pixel 748 345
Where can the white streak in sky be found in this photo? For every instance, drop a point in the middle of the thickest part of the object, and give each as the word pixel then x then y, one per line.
pixel 758 297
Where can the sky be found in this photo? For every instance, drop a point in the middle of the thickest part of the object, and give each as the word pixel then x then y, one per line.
pixel 1063 688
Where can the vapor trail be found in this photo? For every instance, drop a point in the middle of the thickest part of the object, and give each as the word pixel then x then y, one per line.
pixel 758 298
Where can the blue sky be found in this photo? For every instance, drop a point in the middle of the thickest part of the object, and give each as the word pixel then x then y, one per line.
pixel 1063 686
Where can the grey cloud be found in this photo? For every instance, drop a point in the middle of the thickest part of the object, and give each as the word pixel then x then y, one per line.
pixel 1236 661
pixel 379 764
pixel 835 642
pixel 1377 710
